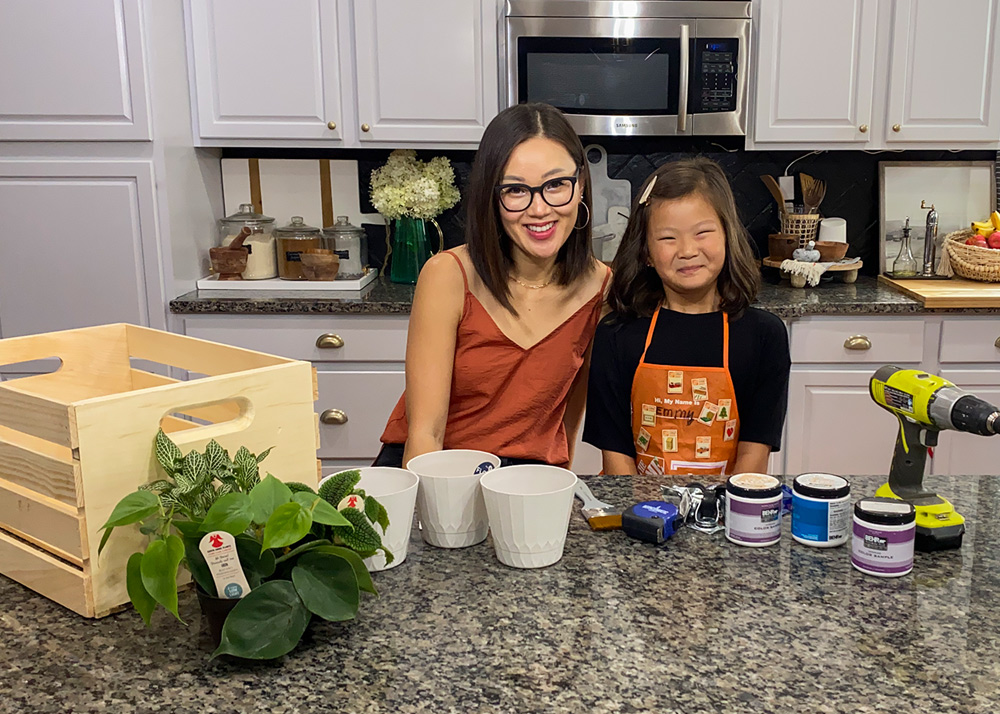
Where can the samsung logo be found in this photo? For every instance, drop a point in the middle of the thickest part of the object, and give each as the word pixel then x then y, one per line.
pixel 625 125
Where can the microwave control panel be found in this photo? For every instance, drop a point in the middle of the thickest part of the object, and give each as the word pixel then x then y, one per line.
pixel 714 80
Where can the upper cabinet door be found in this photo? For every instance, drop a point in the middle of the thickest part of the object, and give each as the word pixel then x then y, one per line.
pixel 815 67
pixel 426 71
pixel 945 72
pixel 266 69
pixel 72 71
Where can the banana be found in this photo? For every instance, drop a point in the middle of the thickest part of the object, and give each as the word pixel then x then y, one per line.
pixel 995 220
pixel 985 228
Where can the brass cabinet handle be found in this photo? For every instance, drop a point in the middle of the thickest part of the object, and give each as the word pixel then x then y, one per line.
pixel 863 128
pixel 365 128
pixel 857 342
pixel 329 341
pixel 896 128
pixel 331 125
pixel 333 416
pixel 997 343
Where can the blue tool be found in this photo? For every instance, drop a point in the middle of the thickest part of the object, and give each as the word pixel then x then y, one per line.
pixel 651 521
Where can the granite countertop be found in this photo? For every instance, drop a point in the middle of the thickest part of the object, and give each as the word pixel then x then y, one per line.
pixel 698 625
pixel 865 297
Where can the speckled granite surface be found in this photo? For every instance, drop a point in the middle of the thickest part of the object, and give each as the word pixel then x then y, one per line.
pixel 865 297
pixel 696 626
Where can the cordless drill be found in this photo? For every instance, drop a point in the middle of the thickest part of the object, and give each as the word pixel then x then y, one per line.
pixel 926 404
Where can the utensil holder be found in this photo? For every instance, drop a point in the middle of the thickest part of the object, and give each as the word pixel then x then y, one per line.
pixel 804 225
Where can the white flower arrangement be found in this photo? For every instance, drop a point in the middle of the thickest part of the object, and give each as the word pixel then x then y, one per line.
pixel 406 186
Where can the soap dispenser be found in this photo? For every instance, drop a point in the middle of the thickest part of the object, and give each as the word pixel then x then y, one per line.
pixel 930 239
pixel 905 265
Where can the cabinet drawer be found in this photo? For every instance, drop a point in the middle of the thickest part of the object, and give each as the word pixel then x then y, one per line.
pixel 366 399
pixel 361 339
pixel 971 340
pixel 879 340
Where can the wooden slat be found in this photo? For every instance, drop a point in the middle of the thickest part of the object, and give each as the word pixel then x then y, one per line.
pixel 92 353
pixel 954 293
pixel 44 574
pixel 45 522
pixel 253 165
pixel 326 192
pixel 193 354
pixel 34 415
pixel 40 466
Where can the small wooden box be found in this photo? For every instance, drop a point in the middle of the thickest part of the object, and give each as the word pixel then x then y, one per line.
pixel 76 441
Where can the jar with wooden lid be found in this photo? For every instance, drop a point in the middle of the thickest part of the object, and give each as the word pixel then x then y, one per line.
pixel 262 262
pixel 292 241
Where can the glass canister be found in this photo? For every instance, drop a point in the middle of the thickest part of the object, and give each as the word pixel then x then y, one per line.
pixel 351 245
pixel 292 241
pixel 262 262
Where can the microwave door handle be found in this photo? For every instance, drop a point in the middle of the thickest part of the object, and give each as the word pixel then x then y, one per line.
pixel 685 70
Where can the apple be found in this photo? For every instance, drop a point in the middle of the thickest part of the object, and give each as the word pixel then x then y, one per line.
pixel 981 242
pixel 971 240
pixel 994 240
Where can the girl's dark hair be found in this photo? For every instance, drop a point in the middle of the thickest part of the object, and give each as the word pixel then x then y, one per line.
pixel 636 289
pixel 489 245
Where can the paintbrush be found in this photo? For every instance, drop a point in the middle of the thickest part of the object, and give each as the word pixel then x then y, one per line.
pixel 600 516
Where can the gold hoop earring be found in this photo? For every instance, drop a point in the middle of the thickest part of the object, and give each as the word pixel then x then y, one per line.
pixel 584 206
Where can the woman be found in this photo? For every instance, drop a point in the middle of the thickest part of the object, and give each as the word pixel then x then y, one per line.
pixel 500 328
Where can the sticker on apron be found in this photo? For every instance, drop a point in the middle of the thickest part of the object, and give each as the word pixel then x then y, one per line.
pixel 708 412
pixel 703 447
pixel 643 439
pixel 654 467
pixel 699 389
pixel 648 414
pixel 670 441
pixel 730 430
pixel 675 382
pixel 725 405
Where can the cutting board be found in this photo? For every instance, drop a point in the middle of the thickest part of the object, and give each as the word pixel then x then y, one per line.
pixel 954 293
pixel 607 192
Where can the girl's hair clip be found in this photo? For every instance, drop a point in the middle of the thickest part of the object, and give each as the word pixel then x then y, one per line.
pixel 649 190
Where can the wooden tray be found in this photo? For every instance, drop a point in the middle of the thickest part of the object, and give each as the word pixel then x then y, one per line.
pixel 77 440
pixel 848 273
pixel 954 293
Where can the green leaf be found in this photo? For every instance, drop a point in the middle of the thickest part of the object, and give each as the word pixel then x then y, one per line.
pixel 376 513
pixel 132 509
pixel 142 601
pixel 360 569
pixel 232 513
pixel 216 458
pixel 287 525
pixel 195 469
pixel 159 571
pixel 167 453
pixel 190 529
pixel 197 566
pixel 263 454
pixel 104 540
pixel 299 487
pixel 254 558
pixel 339 485
pixel 246 467
pixel 322 512
pixel 267 623
pixel 266 496
pixel 327 585
pixel 300 549
pixel 363 537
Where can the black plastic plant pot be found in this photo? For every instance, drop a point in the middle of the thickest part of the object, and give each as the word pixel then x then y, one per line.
pixel 215 610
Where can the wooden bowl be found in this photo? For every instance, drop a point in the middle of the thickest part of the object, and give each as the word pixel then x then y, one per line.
pixel 831 251
pixel 228 263
pixel 320 266
pixel 781 245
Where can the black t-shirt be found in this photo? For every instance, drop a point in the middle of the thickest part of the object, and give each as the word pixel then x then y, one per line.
pixel 759 362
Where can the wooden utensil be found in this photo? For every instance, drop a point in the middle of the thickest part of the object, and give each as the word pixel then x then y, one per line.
pixel 775 189
pixel 813 192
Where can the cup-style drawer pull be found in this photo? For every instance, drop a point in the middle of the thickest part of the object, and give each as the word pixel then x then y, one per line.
pixel 857 342
pixel 333 416
pixel 997 343
pixel 329 341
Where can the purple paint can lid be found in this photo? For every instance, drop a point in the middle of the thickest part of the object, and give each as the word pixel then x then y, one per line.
pixel 885 511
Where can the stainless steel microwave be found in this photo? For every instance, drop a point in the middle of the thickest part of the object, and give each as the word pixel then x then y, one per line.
pixel 642 68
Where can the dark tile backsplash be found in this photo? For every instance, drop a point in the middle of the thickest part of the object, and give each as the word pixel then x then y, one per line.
pixel 851 177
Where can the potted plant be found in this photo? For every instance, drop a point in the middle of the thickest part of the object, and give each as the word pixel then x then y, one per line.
pixel 301 552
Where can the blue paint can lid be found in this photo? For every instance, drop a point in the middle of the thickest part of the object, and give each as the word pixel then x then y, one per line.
pixel 826 486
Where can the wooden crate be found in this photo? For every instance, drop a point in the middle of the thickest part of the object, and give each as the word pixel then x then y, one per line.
pixel 77 440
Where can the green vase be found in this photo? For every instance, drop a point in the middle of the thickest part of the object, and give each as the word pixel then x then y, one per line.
pixel 409 250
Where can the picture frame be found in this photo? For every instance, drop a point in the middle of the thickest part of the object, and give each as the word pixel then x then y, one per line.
pixel 961 192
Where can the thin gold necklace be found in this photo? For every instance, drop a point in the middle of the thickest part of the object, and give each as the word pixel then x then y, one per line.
pixel 532 287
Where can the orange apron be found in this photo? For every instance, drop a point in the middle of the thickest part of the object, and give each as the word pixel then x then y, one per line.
pixel 684 419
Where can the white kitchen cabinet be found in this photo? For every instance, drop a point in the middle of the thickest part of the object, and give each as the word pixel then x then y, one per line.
pixel 426 71
pixel 970 454
pixel 944 78
pixel 72 71
pixel 78 246
pixel 815 71
pixel 268 70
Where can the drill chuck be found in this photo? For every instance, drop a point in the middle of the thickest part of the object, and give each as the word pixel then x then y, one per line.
pixel 975 416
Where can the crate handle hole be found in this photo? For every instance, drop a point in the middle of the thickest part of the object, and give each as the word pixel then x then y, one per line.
pixel 222 414
pixel 30 368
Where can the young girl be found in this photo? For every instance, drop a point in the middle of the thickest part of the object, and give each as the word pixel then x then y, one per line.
pixel 500 328
pixel 685 376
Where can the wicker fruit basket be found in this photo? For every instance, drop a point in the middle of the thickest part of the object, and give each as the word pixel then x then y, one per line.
pixel 804 225
pixel 971 261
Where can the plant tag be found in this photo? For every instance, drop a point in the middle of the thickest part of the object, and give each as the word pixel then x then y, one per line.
pixel 351 501
pixel 219 549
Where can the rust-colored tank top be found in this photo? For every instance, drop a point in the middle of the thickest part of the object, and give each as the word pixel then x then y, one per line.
pixel 505 399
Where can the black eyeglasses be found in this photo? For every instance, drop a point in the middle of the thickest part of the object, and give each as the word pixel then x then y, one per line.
pixel 556 192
